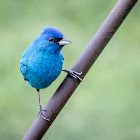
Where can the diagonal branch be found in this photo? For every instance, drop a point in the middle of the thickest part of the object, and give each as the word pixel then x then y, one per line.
pixel 85 61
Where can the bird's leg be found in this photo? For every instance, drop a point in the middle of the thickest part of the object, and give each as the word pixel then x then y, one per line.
pixel 41 108
pixel 74 74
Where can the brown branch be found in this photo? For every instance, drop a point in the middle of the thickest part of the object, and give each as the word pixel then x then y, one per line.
pixel 85 61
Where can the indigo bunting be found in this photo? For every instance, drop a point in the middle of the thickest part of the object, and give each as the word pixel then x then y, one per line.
pixel 42 61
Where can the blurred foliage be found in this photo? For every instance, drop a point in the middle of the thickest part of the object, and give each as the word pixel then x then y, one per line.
pixel 106 105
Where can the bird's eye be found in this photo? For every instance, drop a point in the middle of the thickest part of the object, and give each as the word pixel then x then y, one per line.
pixel 51 39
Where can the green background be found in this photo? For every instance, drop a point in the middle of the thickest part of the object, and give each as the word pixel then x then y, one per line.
pixel 106 106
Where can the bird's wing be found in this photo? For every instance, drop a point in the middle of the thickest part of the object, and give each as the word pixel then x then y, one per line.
pixel 24 63
pixel 24 68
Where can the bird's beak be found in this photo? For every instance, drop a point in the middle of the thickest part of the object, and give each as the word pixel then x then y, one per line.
pixel 64 41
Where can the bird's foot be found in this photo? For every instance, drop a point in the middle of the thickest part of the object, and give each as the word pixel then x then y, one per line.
pixel 40 113
pixel 74 74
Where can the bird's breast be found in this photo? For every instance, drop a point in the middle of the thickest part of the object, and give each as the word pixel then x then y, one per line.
pixel 48 69
pixel 42 70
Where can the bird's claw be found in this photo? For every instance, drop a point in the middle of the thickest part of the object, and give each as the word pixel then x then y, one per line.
pixel 41 113
pixel 41 108
pixel 74 74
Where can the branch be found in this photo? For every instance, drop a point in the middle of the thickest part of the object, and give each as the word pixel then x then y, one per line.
pixel 84 63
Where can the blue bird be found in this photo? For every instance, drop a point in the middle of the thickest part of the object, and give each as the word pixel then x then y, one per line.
pixel 42 61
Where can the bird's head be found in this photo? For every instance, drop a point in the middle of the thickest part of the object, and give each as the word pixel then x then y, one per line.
pixel 51 40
